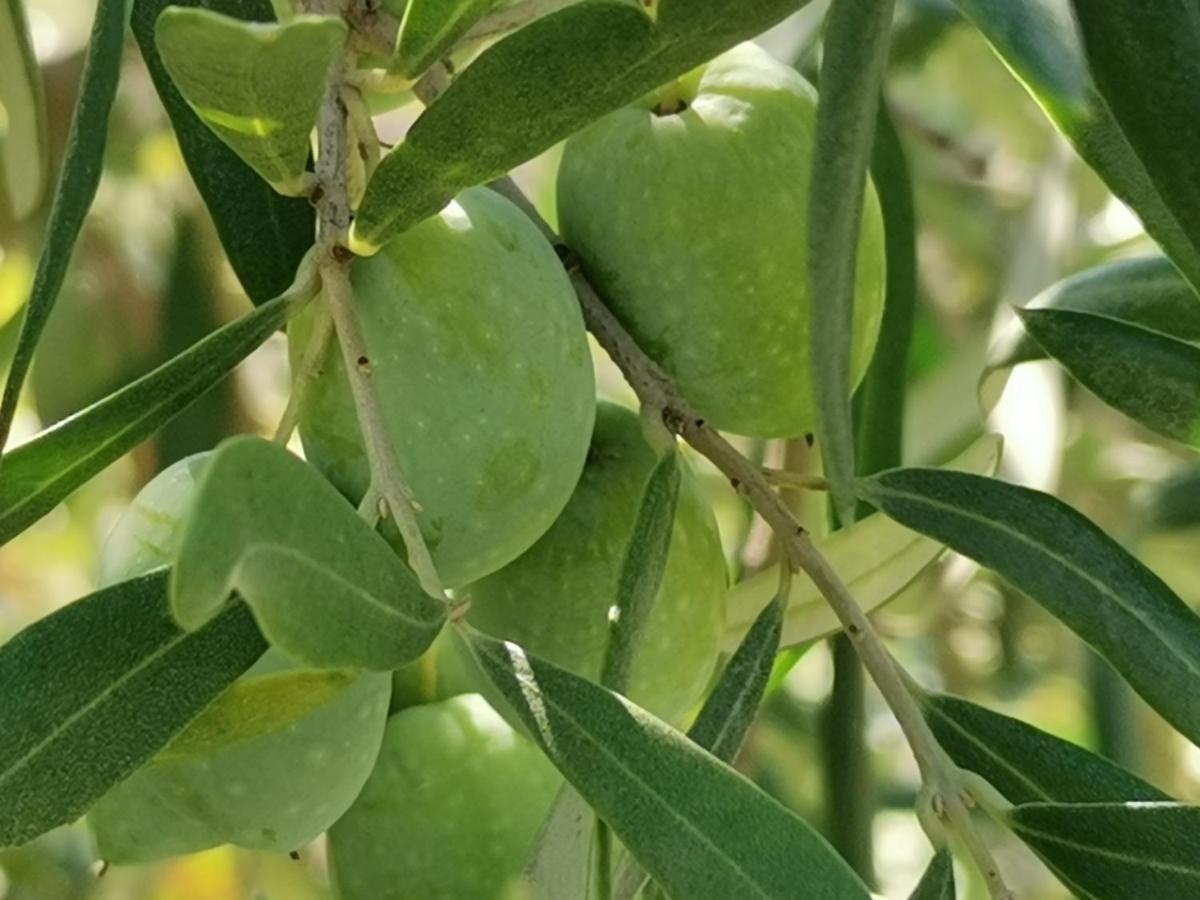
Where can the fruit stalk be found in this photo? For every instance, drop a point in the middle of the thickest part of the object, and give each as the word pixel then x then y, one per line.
pixel 333 208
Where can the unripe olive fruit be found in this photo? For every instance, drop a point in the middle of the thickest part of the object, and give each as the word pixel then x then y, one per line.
pixel 478 350
pixel 274 791
pixel 554 600
pixel 693 222
pixel 449 813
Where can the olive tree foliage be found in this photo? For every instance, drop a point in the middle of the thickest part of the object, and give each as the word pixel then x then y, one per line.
pixel 455 456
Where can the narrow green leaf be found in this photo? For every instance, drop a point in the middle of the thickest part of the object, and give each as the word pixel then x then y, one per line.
pixel 1172 502
pixel 1116 851
pixel 431 27
pixel 1040 41
pixel 258 705
pixel 1023 763
pixel 856 46
pixel 641 571
pixel 76 187
pixel 938 881
pixel 324 586
pixel 1151 377
pixel 265 234
pixel 1069 566
pixel 700 829
pixel 23 154
pixel 258 86
pixel 94 690
pixel 876 557
pixel 537 86
pixel 38 475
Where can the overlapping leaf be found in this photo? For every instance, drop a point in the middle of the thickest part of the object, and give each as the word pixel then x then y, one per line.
pixel 324 586
pixel 23 155
pixel 937 883
pixel 431 27
pixel 258 86
pixel 698 827
pixel 537 86
pixel 38 475
pixel 95 690
pixel 1070 567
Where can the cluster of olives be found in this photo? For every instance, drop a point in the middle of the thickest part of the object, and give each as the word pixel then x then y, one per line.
pixel 691 221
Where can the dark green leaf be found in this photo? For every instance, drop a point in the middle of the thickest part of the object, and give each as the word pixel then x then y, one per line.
pixel 76 187
pixel 938 881
pixel 39 474
pixel 856 46
pixel 700 829
pixel 431 27
pixel 1172 502
pixel 1023 763
pixel 324 586
pixel 264 233
pixel 1116 851
pixel 257 86
pixel 537 86
pixel 1151 377
pixel 93 691
pixel 23 153
pixel 1070 567
pixel 641 571
pixel 1039 40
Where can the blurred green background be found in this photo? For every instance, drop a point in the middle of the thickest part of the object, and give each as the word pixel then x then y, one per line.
pixel 1005 209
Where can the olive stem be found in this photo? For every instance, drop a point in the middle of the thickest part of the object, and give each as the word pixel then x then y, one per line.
pixel 334 214
pixel 798 480
pixel 306 372
pixel 951 798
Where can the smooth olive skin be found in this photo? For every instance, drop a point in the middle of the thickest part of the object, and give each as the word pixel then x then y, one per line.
pixel 273 792
pixel 694 226
pixel 554 600
pixel 480 356
pixel 449 813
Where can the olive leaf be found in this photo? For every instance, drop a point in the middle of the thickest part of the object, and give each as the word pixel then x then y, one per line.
pixel 876 557
pixel 23 154
pixel 560 863
pixel 937 883
pixel 431 27
pixel 265 234
pixel 1151 377
pixel 852 64
pixel 1024 763
pixel 539 85
pixel 94 690
pixel 1115 851
pixel 1040 42
pixel 258 86
pixel 77 184
pixel 39 474
pixel 324 586
pixel 1068 565
pixel 699 828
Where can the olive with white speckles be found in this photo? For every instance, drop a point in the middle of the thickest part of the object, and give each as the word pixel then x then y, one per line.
pixel 693 221
pixel 274 791
pixel 449 813
pixel 554 600
pixel 480 355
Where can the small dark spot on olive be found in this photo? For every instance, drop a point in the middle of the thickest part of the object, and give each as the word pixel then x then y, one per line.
pixel 294 854
pixel 810 439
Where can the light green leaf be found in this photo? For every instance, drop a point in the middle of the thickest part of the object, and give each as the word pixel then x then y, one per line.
pixel 560 863
pixel 856 46
pixel 1151 377
pixel 324 586
pixel 23 154
pixel 265 234
pixel 258 705
pixel 1069 566
pixel 1023 763
pixel 538 86
pixel 36 476
pixel 876 557
pixel 257 86
pixel 1116 851
pixel 700 829
pixel 431 27
pixel 94 690
pixel 1040 41
pixel 76 187
pixel 938 881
